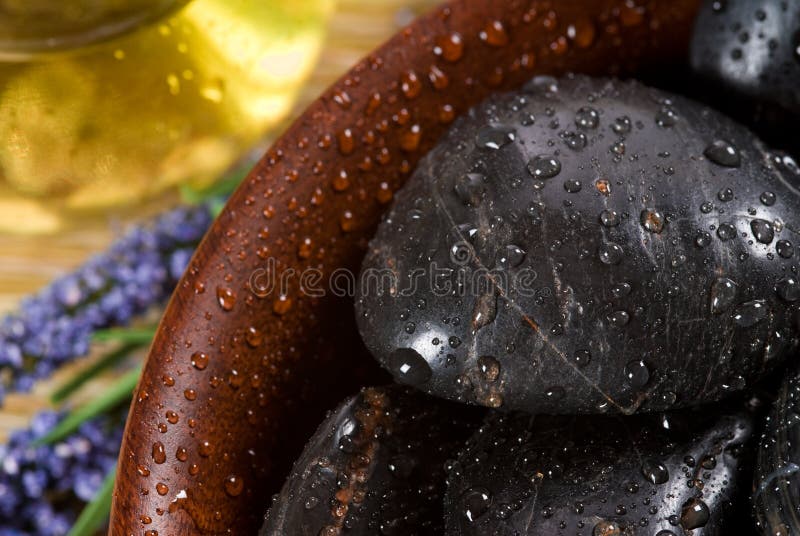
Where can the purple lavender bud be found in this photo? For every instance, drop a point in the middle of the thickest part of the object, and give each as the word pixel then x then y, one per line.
pixel 179 261
pixel 10 355
pixel 87 483
pixel 34 482
pixel 137 271
pixel 41 486
pixel 42 423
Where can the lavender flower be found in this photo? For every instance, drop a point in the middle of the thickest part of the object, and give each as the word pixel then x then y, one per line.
pixel 42 487
pixel 135 273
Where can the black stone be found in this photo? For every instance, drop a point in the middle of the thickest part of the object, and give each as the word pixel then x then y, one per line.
pixel 776 490
pixel 648 220
pixel 375 466
pixel 606 475
pixel 747 57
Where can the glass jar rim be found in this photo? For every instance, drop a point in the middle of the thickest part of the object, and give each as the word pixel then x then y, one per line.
pixel 36 30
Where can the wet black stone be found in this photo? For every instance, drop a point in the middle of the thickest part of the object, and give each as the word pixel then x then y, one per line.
pixel 749 64
pixel 387 447
pixel 627 224
pixel 776 488
pixel 562 476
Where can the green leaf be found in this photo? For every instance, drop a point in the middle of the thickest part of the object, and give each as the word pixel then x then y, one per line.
pixel 215 206
pixel 96 513
pixel 107 361
pixel 119 392
pixel 222 188
pixel 139 336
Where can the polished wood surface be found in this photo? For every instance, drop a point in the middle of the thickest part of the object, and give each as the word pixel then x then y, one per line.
pixel 237 378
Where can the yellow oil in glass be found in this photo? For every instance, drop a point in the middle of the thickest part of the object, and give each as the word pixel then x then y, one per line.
pixel 105 103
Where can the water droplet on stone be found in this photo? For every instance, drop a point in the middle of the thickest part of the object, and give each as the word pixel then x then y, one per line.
pixel 785 249
pixel 494 136
pixel 723 153
pixel 750 313
pixel 610 254
pixel 587 118
pixel 510 256
pixel 527 119
pixel 767 198
pixel 694 514
pixel 574 140
pixel 762 231
pixel 637 373
pixel 475 503
pixel 702 239
pixel 620 290
pixel 655 471
pixel 666 117
pixel 788 289
pixel 621 125
pixel 581 358
pixel 726 232
pixel 725 195
pixel 572 186
pixel 618 148
pixel 723 294
pixel 618 319
pixel 609 218
pixel 409 367
pixel 544 166
pixel 652 220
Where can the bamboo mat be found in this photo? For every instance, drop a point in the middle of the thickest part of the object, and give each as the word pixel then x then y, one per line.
pixel 29 262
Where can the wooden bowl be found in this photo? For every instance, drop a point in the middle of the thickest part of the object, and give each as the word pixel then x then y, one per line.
pixel 249 354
